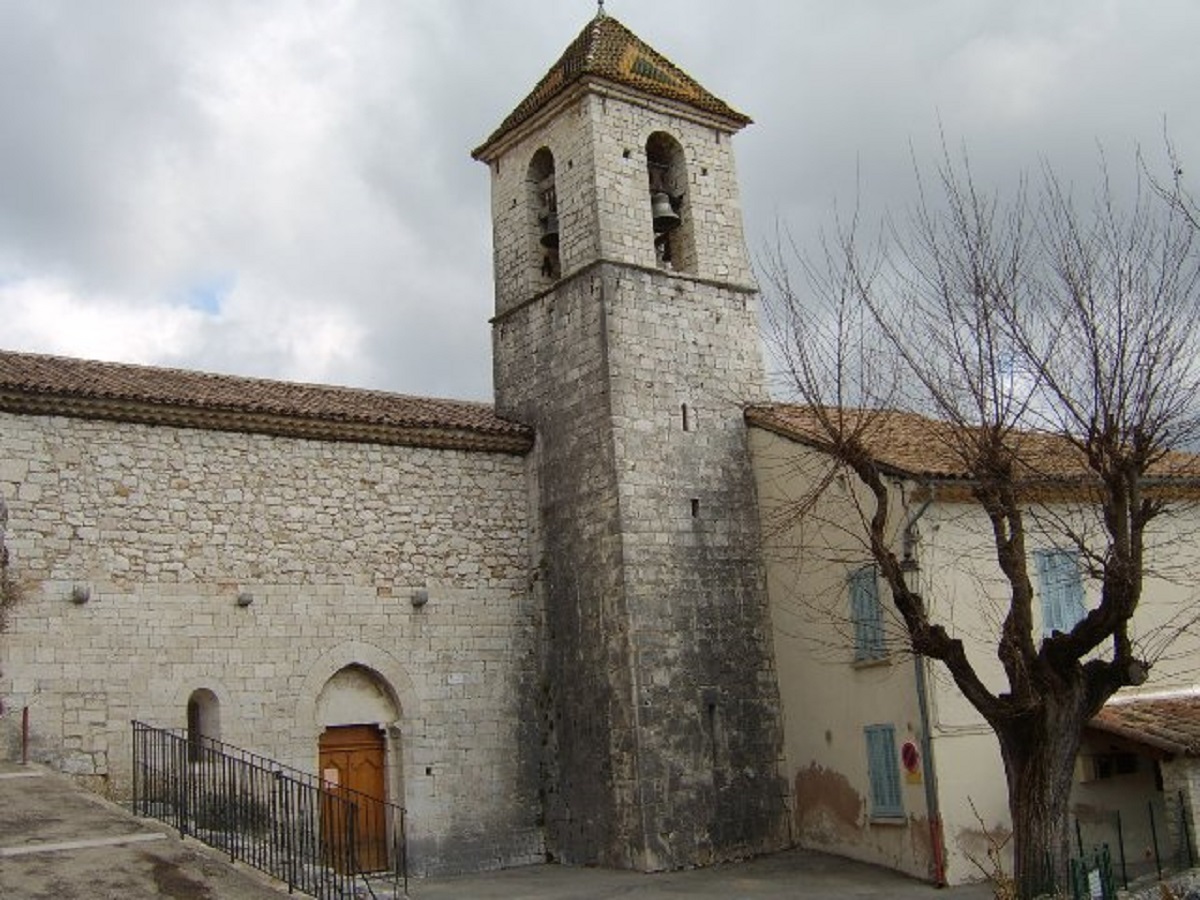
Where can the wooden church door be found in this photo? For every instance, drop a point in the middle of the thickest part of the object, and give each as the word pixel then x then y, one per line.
pixel 351 759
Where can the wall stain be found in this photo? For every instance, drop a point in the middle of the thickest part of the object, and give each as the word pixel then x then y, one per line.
pixel 921 839
pixel 974 844
pixel 828 808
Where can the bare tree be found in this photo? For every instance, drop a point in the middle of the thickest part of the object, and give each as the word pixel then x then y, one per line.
pixel 1052 343
pixel 1171 190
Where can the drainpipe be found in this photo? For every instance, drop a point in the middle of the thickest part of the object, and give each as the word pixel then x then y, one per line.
pixel 932 808
pixel 928 769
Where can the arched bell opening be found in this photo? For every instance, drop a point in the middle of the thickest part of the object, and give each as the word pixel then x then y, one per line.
pixel 670 209
pixel 542 202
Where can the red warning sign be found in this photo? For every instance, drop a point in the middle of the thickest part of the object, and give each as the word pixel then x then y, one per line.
pixel 911 757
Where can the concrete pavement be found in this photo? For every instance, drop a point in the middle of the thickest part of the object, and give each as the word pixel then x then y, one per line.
pixel 60 842
pixel 792 875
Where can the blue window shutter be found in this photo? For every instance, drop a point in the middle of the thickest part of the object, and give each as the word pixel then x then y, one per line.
pixel 883 771
pixel 1050 604
pixel 866 613
pixel 1061 587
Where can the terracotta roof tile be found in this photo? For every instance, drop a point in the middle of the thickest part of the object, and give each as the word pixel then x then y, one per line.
pixel 607 49
pixel 1171 723
pixel 55 385
pixel 916 445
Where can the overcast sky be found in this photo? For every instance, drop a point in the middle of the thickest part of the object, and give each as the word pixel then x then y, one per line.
pixel 284 189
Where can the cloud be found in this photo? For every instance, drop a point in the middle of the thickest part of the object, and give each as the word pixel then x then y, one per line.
pixel 284 188
pixel 47 315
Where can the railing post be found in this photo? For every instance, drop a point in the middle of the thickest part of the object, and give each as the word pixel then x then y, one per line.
pixel 183 802
pixel 352 838
pixel 1187 837
pixel 404 846
pixel 1121 849
pixel 1106 875
pixel 1154 838
pixel 134 738
pixel 279 795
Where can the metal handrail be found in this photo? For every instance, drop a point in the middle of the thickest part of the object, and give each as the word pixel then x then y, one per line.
pixel 321 839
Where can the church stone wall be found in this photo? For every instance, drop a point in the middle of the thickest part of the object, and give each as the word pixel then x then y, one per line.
pixel 517 254
pixel 661 712
pixel 661 709
pixel 620 131
pixel 550 368
pixel 165 527
pixel 599 148
pixel 708 705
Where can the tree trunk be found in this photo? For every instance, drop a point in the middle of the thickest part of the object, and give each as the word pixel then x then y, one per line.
pixel 1039 751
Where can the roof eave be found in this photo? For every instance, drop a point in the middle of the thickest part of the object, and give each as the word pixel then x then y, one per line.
pixel 320 428
pixel 760 417
pixel 1144 738
pixel 503 139
pixel 955 488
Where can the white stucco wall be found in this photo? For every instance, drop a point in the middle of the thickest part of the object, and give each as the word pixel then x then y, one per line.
pixel 828 698
pixel 967 592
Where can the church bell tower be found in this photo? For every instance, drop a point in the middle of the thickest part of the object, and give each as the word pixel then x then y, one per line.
pixel 626 333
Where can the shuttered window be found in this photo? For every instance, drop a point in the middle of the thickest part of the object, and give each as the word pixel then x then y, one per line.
pixel 1061 586
pixel 884 772
pixel 867 614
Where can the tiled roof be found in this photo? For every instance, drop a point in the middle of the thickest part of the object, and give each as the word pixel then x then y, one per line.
pixel 52 385
pixel 607 49
pixel 1170 724
pixel 915 445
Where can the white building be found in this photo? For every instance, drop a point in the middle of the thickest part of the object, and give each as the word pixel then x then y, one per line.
pixel 887 760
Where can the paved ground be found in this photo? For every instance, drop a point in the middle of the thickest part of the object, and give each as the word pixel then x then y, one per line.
pixel 58 842
pixel 794 875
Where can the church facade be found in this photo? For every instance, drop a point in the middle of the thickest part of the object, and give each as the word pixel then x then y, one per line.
pixel 577 624
pixel 550 612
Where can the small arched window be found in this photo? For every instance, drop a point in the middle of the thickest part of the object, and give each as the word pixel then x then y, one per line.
pixel 670 209
pixel 203 722
pixel 542 202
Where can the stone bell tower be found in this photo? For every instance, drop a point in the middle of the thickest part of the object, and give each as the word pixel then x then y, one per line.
pixel 626 332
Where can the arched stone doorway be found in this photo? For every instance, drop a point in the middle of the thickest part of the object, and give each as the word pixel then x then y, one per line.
pixel 203 721
pixel 359 757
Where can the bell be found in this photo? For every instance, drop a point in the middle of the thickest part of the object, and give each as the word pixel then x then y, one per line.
pixel 550 230
pixel 665 217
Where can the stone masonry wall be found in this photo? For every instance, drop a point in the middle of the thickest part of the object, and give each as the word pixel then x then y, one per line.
pixel 661 707
pixel 599 148
pixel 1181 797
pixel 551 369
pixel 661 720
pixel 706 691
pixel 517 254
pixel 165 527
